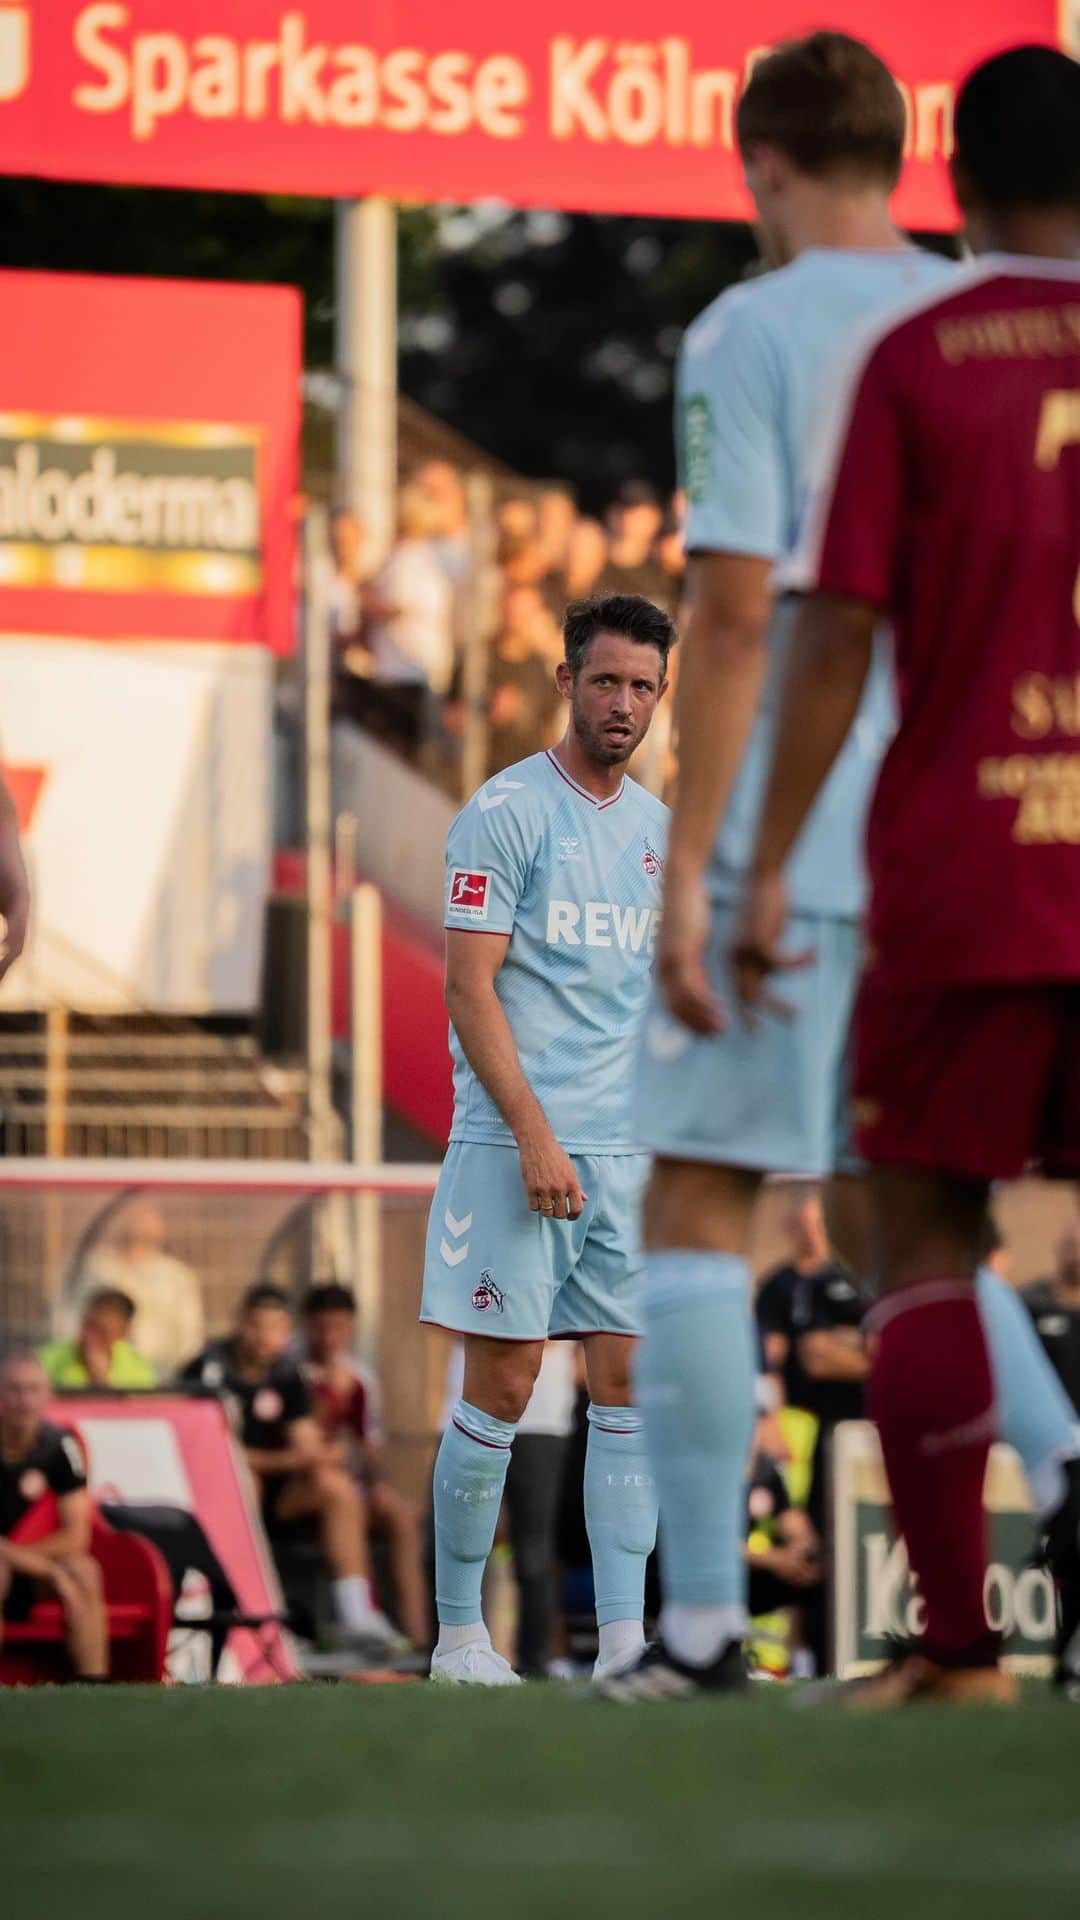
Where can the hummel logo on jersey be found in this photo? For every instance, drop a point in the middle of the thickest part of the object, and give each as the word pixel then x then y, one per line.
pixel 497 792
pixel 469 894
pixel 600 923
pixel 651 861
pixel 487 1295
pixel 569 847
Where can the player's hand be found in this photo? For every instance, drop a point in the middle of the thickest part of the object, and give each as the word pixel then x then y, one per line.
pixel 550 1179
pixel 758 953
pixel 793 1566
pixel 14 902
pixel 680 963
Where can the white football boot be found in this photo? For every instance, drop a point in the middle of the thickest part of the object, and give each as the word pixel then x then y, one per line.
pixel 474 1665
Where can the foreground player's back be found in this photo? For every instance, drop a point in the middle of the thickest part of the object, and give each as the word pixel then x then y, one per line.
pixel 956 504
pixel 756 369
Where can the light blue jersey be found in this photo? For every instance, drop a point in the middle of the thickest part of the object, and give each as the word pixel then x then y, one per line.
pixel 753 372
pixel 576 884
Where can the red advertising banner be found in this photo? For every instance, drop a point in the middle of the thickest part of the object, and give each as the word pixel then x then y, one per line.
pixel 605 106
pixel 149 436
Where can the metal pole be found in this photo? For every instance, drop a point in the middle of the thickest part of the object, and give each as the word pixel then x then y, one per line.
pixel 367 1106
pixel 321 1123
pixel 365 241
pixel 481 616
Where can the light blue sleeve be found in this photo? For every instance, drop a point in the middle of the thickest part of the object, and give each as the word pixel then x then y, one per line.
pixel 732 460
pixel 488 860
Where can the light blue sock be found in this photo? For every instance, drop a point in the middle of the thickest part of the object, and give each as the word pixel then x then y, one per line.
pixel 695 1386
pixel 620 1511
pixel 1035 1414
pixel 470 1472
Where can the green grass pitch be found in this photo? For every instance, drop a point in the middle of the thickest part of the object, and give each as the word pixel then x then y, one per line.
pixel 409 1802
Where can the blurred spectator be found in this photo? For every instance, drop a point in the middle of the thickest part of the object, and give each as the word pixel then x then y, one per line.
pixel 101 1354
pixel 556 516
pixel 441 487
pixel 345 1398
pixel 516 518
pixel 1054 1305
pixel 411 608
pixel 809 1316
pixel 586 558
pixel 168 1324
pixel 783 1551
pixel 523 700
pixel 632 566
pixel 296 1478
pixel 671 541
pixel 37 1458
pixel 348 578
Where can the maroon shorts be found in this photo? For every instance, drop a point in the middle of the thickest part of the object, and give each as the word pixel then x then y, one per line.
pixel 976 1081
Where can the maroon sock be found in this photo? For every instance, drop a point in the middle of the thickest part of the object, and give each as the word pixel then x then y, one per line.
pixel 932 1396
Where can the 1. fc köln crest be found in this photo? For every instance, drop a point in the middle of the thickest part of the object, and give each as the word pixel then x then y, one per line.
pixel 487 1297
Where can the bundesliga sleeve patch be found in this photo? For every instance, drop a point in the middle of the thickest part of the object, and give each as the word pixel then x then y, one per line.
pixel 470 894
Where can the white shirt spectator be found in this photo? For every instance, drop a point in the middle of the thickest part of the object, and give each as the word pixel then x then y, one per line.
pixel 412 643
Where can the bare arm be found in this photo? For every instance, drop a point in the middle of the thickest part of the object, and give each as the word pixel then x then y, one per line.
pixel 73 1534
pixel 833 1353
pixel 829 659
pixel 14 884
pixel 724 657
pixel 304 1449
pixel 472 964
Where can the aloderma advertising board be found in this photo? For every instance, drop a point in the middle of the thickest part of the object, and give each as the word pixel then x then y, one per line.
pixel 148 445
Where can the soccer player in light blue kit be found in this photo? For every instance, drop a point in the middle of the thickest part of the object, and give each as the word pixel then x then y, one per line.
pixel 821 130
pixel 553 878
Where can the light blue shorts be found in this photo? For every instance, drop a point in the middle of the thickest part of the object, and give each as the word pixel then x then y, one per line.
pixel 775 1097
pixel 492 1267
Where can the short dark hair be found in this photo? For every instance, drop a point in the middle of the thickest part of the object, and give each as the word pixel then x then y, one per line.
pixel 265 1294
pixel 1018 129
pixel 328 1296
pixel 830 104
pixel 628 614
pixel 113 1300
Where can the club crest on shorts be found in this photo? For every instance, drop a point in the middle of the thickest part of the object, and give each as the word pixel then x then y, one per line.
pixel 651 860
pixel 487 1297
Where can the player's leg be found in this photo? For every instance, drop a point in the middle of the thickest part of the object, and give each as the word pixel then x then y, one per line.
pixel 470 1475
pixel 398 1519
pixel 80 1590
pixel 620 1501
pixel 330 1495
pixel 492 1270
pixel 600 1302
pixel 715 1112
pixel 932 1397
pixel 1035 1415
pixel 695 1382
pixel 929 1067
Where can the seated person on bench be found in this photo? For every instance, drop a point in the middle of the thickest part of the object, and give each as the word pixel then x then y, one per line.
pixel 38 1458
pixel 293 1470
pixel 344 1396
pixel 101 1354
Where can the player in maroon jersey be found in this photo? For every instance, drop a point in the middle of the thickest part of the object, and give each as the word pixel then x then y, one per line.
pixel 951 503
